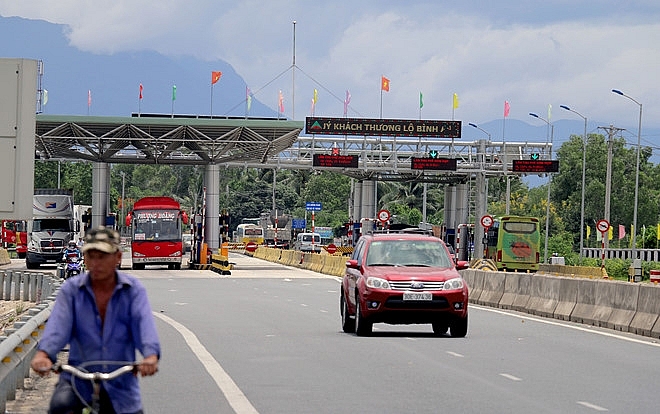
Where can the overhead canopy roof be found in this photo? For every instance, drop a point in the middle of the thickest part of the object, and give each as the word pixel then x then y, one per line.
pixel 162 140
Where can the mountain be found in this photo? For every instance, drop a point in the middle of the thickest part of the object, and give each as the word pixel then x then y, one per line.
pixel 114 80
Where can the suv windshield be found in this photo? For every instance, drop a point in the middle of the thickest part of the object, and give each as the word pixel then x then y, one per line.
pixel 407 253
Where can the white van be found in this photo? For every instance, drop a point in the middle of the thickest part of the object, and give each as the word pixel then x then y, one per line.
pixel 304 242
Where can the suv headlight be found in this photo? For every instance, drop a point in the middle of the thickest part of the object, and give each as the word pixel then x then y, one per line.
pixel 453 284
pixel 378 283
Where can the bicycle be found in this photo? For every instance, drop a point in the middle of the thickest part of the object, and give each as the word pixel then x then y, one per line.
pixel 96 378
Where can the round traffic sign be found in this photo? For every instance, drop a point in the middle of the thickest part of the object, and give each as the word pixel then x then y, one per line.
pixel 603 225
pixel 331 248
pixel 383 215
pixel 251 247
pixel 487 221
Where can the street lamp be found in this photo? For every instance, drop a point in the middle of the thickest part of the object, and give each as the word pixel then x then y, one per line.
pixel 639 147
pixel 480 129
pixel 584 163
pixel 547 207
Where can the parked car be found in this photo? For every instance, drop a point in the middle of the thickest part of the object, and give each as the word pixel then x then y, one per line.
pixel 403 278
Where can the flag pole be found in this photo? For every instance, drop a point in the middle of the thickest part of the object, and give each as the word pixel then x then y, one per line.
pixel 293 76
pixel 211 98
pixel 381 96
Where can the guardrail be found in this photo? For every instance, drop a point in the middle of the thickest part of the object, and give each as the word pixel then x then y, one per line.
pixel 19 343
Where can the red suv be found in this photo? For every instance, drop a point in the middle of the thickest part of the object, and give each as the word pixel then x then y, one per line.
pixel 403 278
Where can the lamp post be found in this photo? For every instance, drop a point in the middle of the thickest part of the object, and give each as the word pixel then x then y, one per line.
pixel 584 163
pixel 639 147
pixel 547 207
pixel 480 129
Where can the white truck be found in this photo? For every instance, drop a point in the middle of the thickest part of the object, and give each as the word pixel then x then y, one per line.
pixel 51 228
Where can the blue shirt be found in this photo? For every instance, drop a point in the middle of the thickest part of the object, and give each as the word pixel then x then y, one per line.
pixel 129 326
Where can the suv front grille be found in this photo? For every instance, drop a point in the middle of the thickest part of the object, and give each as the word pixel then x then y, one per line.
pixel 417 285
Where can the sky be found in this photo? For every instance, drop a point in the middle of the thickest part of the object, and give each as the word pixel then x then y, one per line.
pixel 530 53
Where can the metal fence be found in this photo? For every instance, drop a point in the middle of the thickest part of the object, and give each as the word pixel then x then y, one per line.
pixel 18 344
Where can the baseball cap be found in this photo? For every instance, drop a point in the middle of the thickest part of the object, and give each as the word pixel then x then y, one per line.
pixel 103 239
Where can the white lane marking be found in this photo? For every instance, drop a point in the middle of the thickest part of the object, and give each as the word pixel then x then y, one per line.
pixel 511 377
pixel 576 327
pixel 456 354
pixel 303 305
pixel 232 393
pixel 180 303
pixel 324 311
pixel 592 406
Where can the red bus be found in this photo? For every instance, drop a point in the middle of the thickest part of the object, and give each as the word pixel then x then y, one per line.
pixel 14 236
pixel 156 228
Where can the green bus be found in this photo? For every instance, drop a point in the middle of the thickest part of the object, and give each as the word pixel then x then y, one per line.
pixel 513 243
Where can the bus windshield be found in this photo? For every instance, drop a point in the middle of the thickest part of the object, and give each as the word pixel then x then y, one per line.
pixel 157 225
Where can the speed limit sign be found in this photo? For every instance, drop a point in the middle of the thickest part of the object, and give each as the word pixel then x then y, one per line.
pixel 603 225
pixel 487 221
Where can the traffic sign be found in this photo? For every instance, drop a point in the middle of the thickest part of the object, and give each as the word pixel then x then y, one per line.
pixel 251 247
pixel 313 206
pixel 603 225
pixel 487 221
pixel 331 248
pixel 384 215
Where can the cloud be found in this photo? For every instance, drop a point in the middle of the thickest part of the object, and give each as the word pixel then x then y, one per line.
pixel 560 52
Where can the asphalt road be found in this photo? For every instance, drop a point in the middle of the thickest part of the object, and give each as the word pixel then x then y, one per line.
pixel 267 339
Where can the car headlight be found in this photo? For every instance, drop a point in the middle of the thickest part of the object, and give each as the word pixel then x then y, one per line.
pixel 453 284
pixel 378 283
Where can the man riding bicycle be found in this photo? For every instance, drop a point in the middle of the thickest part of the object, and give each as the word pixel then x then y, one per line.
pixel 104 315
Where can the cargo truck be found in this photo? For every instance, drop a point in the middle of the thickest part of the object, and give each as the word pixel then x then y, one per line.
pixel 51 227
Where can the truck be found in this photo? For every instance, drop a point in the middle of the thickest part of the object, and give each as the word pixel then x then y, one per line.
pixel 277 229
pixel 14 236
pixel 51 227
pixel 156 225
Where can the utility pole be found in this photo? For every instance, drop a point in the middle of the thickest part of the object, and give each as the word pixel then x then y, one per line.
pixel 611 132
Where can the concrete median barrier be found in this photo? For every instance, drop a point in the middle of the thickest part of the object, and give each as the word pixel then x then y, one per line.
pixel 493 289
pixel 585 306
pixel 645 321
pixel 568 288
pixel 516 291
pixel 605 292
pixel 624 306
pixel 543 295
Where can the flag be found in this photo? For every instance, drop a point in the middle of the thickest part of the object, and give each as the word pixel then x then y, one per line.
pixel 657 232
pixel 610 233
pixel 173 92
pixel 622 231
pixel 248 98
pixel 384 84
pixel 315 98
pixel 89 97
pixel 455 104
pixel 632 231
pixel 421 101
pixel 215 76
pixel 599 236
pixel 348 101
pixel 507 108
pixel 549 112
pixel 588 232
pixel 45 98
pixel 281 103
pixel 140 95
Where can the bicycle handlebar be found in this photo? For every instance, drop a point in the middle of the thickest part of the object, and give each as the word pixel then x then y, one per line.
pixel 96 376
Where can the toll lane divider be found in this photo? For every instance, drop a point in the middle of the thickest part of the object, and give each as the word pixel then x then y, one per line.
pixel 333 265
pixel 618 305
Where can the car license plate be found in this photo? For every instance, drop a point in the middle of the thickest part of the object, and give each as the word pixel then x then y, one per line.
pixel 417 296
